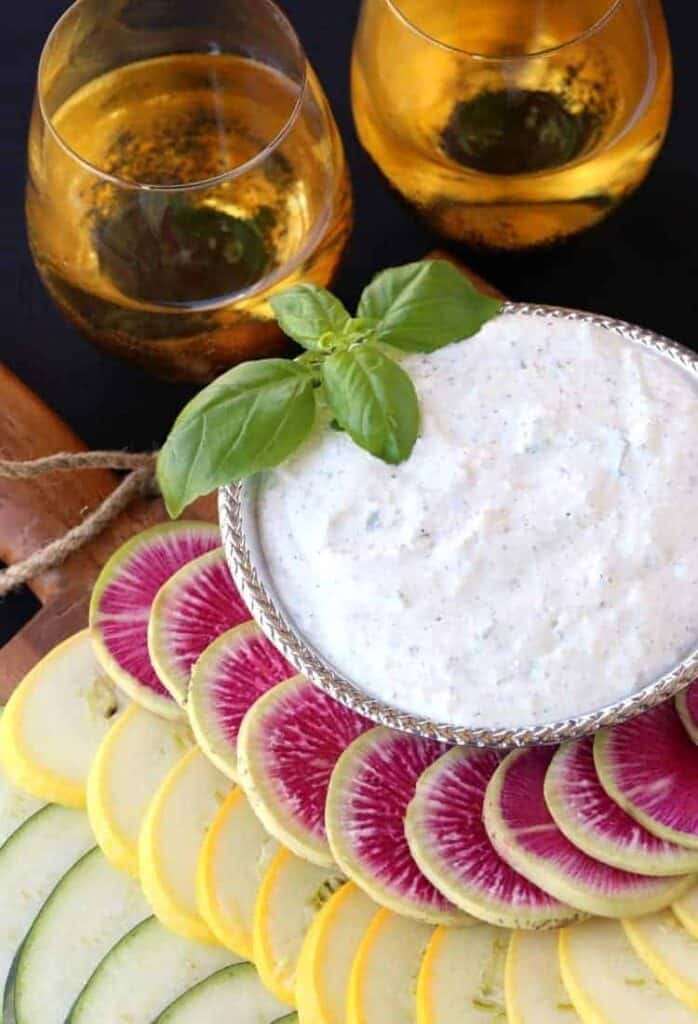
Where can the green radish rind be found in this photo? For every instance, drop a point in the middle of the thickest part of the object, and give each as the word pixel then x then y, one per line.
pixel 687 719
pixel 147 970
pixel 667 859
pixel 559 883
pixel 686 704
pixel 235 993
pixel 159 704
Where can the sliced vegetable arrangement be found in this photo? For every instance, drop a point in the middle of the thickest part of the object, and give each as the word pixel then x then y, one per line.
pixel 448 840
pixel 523 832
pixel 371 876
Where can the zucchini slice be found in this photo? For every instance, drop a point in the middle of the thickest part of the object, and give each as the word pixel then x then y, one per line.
pixel 89 910
pixel 146 971
pixel 234 994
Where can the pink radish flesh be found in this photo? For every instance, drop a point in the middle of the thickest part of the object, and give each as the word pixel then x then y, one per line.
pixel 573 785
pixel 447 813
pixel 650 765
pixel 245 670
pixel 298 741
pixel 524 832
pixel 124 605
pixel 371 809
pixel 206 606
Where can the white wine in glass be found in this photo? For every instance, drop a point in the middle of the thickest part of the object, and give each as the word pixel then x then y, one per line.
pixel 183 166
pixel 512 123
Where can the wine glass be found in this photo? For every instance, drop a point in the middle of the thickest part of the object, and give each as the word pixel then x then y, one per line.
pixel 511 123
pixel 183 166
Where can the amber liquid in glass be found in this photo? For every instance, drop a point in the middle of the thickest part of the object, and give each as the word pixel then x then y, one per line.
pixel 512 149
pixel 180 279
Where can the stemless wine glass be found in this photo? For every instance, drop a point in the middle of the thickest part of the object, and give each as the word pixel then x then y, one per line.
pixel 511 123
pixel 183 166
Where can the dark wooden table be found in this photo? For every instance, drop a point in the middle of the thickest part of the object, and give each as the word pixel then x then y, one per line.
pixel 641 265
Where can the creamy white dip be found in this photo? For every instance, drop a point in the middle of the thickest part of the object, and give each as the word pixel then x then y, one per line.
pixel 535 558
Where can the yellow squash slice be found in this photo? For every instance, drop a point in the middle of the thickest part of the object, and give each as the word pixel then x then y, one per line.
pixel 328 953
pixel 462 976
pixel 534 993
pixel 55 721
pixel 670 952
pixel 130 765
pixel 232 863
pixel 291 894
pixel 383 980
pixel 173 832
pixel 608 983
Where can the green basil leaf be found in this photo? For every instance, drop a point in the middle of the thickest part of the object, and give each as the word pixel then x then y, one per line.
pixel 308 314
pixel 423 306
pixel 374 400
pixel 251 418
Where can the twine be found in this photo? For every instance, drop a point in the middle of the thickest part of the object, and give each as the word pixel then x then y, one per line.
pixel 140 482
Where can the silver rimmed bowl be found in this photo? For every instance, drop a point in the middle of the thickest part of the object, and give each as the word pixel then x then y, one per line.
pixel 238 519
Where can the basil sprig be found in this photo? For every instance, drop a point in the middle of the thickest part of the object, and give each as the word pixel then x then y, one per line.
pixel 255 415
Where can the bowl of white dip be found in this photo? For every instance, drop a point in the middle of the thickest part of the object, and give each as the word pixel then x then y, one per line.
pixel 529 574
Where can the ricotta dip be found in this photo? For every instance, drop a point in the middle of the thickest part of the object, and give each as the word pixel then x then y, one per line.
pixel 537 555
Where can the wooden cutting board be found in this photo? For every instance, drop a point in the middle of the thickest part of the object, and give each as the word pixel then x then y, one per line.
pixel 34 512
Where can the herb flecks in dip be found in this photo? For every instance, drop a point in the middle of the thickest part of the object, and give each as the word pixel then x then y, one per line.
pixel 536 556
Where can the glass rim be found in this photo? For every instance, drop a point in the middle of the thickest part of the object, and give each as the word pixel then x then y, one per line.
pixel 591 30
pixel 201 183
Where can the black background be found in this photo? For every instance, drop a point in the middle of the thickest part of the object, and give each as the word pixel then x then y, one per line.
pixel 641 265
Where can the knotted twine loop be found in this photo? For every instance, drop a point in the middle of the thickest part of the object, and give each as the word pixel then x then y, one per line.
pixel 140 482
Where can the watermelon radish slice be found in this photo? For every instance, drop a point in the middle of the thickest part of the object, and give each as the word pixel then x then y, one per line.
pixel 449 843
pixel 234 672
pixel 122 599
pixel 288 744
pixel 687 707
pixel 523 832
pixel 590 819
pixel 189 612
pixel 371 787
pixel 650 766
